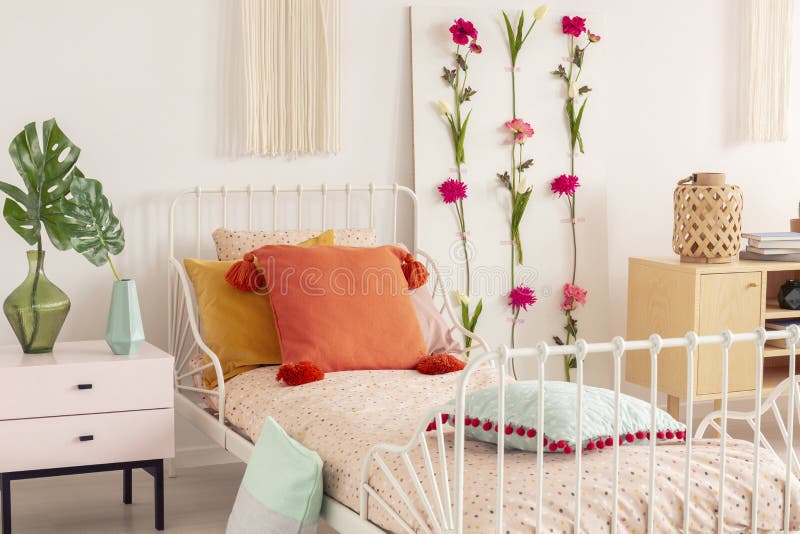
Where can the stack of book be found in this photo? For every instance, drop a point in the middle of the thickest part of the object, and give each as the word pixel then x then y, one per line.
pixel 772 246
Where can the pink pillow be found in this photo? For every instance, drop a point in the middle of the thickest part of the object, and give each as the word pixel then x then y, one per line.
pixel 434 328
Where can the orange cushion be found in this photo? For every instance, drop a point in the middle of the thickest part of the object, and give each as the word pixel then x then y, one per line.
pixel 342 308
pixel 236 325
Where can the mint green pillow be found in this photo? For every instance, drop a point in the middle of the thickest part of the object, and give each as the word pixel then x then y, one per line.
pixel 281 492
pixel 560 424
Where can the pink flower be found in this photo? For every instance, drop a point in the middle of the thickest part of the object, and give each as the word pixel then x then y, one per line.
pixel 521 129
pixel 463 31
pixel 566 184
pixel 593 37
pixel 574 26
pixel 452 190
pixel 475 47
pixel 521 297
pixel 573 295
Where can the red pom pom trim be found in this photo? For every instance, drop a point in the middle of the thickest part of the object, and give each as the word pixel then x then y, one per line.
pixel 670 434
pixel 475 422
pixel 487 426
pixel 509 430
pixel 590 446
pixel 297 374
pixel 553 446
pixel 520 431
pixel 567 450
pixel 531 433
pixel 639 435
pixel 609 441
pixel 629 437
pixel 439 364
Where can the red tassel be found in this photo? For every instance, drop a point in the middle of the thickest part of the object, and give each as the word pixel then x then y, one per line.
pixel 415 272
pixel 553 447
pixel 296 374
pixel 639 435
pixel 590 446
pixel 600 444
pixel 487 426
pixel 445 417
pixel 567 450
pixel 531 433
pixel 561 444
pixel 520 431
pixel 629 437
pixel 509 430
pixel 660 434
pixel 609 442
pixel 670 434
pixel 242 274
pixel 476 422
pixel 544 442
pixel 679 434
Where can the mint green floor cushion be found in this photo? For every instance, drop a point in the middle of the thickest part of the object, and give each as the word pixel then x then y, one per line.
pixel 560 421
pixel 281 492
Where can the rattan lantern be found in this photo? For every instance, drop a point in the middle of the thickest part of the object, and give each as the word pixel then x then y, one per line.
pixel 708 219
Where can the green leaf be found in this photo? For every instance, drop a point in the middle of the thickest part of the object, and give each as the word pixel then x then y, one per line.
pixel 474 321
pixel 578 119
pixel 511 40
pixel 46 170
pixel 520 28
pixel 517 211
pixel 461 136
pixel 461 62
pixel 88 219
pixel 465 315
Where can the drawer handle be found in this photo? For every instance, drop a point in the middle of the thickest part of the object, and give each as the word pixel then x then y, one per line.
pixel 752 284
pixel 84 386
pixel 87 437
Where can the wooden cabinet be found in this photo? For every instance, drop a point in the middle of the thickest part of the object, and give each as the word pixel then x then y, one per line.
pixel 672 298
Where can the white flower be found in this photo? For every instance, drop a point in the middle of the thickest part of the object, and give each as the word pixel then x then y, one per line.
pixel 460 298
pixel 572 92
pixel 540 12
pixel 522 185
pixel 444 108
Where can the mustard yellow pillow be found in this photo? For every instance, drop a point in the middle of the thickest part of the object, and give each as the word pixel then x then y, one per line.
pixel 237 325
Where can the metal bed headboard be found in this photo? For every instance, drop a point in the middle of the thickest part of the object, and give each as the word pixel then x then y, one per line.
pixel 225 193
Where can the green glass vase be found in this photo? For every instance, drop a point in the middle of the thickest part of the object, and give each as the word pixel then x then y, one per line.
pixel 37 308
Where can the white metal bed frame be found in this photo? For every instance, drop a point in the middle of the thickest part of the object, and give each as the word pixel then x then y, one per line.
pixel 184 337
pixel 444 512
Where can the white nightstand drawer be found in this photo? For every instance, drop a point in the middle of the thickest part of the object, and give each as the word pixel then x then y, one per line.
pixel 41 388
pixel 110 437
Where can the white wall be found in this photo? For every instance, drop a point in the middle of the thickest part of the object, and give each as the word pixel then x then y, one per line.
pixel 138 87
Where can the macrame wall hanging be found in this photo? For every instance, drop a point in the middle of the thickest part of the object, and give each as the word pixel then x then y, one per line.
pixel 291 70
pixel 768 53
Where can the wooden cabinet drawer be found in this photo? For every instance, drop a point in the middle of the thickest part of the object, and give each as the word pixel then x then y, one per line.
pixel 728 301
pixel 92 386
pixel 49 442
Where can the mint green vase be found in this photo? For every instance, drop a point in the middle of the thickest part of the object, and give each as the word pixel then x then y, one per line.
pixel 124 331
pixel 37 308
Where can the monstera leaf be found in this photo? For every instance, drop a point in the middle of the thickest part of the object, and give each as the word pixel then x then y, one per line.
pixel 46 170
pixel 87 218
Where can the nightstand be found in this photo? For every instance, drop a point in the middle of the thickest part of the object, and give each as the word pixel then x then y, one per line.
pixel 672 298
pixel 82 409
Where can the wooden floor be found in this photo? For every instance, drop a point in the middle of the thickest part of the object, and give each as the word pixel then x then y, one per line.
pixel 198 501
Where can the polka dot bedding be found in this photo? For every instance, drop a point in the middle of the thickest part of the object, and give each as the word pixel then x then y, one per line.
pixel 343 416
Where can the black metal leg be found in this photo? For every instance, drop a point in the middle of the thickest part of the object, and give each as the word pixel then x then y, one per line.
pixel 127 485
pixel 158 486
pixel 5 493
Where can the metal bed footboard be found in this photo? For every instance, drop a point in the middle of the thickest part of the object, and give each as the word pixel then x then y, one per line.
pixel 442 503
